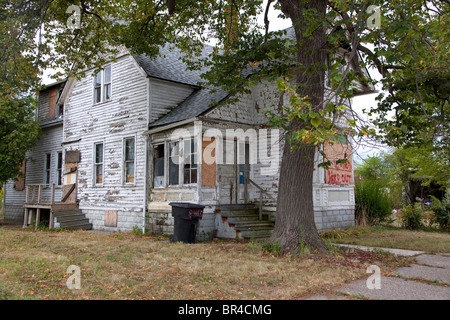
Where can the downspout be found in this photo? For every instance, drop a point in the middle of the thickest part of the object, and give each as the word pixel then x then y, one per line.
pixel 144 212
pixel 149 117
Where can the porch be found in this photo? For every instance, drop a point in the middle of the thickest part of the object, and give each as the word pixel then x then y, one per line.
pixel 38 207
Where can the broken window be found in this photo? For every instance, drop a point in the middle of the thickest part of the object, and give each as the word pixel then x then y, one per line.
pixel 59 169
pixel 174 160
pixel 48 162
pixel 98 163
pixel 158 166
pixel 190 165
pixel 102 85
pixel 129 156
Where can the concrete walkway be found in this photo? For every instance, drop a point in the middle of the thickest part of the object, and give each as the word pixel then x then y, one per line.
pixel 427 279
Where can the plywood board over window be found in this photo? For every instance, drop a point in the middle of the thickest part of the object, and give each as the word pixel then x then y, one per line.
pixel 111 218
pixel 339 173
pixel 19 184
pixel 209 163
pixel 52 96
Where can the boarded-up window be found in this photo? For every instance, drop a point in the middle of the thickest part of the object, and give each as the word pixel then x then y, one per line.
pixel 111 218
pixel 52 96
pixel 209 163
pixel 339 173
pixel 19 184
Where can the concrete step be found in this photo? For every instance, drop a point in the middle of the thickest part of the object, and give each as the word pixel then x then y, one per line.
pixel 71 223
pixel 253 225
pixel 70 217
pixel 259 235
pixel 81 226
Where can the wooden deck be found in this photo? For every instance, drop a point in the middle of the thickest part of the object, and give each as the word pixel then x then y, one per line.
pixel 34 204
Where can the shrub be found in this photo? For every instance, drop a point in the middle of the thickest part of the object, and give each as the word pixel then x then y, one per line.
pixel 411 217
pixel 441 213
pixel 372 202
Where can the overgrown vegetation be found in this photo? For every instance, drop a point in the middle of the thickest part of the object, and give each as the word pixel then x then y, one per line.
pixel 373 205
pixel 404 182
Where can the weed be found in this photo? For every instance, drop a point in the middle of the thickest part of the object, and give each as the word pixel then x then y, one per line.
pixel 272 247
pixel 137 231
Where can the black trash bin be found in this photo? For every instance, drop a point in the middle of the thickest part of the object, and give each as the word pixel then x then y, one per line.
pixel 186 217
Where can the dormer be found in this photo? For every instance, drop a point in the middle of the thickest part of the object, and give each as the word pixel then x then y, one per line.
pixel 50 110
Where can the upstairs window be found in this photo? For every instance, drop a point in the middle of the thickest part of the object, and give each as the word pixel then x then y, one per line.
pixel 102 85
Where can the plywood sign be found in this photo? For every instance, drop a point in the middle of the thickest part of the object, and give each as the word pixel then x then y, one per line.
pixel 341 173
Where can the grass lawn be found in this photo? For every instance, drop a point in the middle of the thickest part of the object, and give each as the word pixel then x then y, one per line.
pixel 393 237
pixel 33 265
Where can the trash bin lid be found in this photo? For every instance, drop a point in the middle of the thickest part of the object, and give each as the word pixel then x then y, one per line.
pixel 186 205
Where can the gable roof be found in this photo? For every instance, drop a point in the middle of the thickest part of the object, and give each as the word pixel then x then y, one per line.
pixel 169 66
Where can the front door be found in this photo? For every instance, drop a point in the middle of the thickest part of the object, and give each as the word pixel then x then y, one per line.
pixel 233 173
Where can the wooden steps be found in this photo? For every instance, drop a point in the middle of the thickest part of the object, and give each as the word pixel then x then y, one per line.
pixel 71 218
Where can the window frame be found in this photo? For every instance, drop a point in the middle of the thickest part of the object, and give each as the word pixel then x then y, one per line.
pixel 47 169
pixel 124 161
pixel 164 154
pixel 102 85
pixel 95 164
pixel 59 170
pixel 181 162
pixel 192 160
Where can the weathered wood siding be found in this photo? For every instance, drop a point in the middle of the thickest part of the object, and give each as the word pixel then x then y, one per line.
pixel 165 96
pixel 50 142
pixel 110 122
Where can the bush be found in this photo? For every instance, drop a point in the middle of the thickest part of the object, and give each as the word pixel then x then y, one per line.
pixel 441 213
pixel 411 217
pixel 372 202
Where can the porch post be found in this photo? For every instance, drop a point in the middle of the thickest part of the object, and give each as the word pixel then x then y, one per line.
pixel 25 218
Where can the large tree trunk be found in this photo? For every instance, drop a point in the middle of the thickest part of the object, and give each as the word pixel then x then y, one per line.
pixel 294 224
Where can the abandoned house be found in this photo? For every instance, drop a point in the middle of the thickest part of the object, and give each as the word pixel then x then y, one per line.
pixel 120 145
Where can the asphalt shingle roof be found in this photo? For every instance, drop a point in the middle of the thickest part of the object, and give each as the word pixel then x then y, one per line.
pixel 169 66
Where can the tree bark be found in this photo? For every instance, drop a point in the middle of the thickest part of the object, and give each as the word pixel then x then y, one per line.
pixel 294 222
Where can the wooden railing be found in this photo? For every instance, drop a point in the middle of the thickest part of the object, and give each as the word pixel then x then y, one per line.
pixel 261 192
pixel 31 190
pixel 34 201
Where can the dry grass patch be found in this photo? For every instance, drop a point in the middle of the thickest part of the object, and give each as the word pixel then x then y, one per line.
pixel 33 265
pixel 392 237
